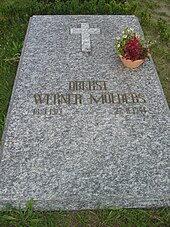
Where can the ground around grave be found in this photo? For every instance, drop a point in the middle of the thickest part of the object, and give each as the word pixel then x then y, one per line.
pixel 156 25
pixel 12 30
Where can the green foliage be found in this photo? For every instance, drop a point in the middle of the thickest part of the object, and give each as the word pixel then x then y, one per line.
pixel 132 46
pixel 14 17
pixel 20 217
pixel 12 32
pixel 53 1
pixel 55 219
pixel 159 32
pixel 25 10
pixel 104 8
pixel 108 217
pixel 145 18
pixel 164 32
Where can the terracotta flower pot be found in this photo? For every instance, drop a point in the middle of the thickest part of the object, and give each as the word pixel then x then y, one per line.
pixel 131 64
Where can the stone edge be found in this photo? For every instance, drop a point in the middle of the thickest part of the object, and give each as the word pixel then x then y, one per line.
pixel 53 203
pixel 156 74
pixel 20 63
pixel 97 203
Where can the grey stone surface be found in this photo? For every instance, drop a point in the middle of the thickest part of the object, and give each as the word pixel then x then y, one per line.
pixel 83 130
pixel 85 32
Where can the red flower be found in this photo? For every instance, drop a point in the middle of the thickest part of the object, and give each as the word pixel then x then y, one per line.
pixel 133 50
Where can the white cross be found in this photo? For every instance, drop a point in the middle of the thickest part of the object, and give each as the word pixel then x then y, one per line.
pixel 85 32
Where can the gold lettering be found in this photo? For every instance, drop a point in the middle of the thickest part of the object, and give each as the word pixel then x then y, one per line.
pixel 124 98
pixel 99 85
pixel 135 98
pixel 142 109
pixel 112 98
pixel 54 96
pixel 104 98
pixel 94 85
pixel 104 83
pixel 136 110
pixel 46 111
pixel 80 85
pixel 119 100
pixel 54 111
pixel 73 99
pixel 109 98
pixel 78 99
pixel 87 85
pixel 133 110
pixel 118 111
pixel 128 110
pixel 72 85
pixel 39 98
pixel 36 112
pixel 142 98
pixel 62 99
pixel 92 98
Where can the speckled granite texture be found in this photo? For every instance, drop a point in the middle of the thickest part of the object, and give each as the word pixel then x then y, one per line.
pixel 83 130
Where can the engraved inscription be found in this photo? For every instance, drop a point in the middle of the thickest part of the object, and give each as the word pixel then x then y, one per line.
pixel 53 99
pixel 87 85
pixel 39 99
pixel 103 98
pixel 117 98
pixel 130 110
pixel 96 94
pixel 46 111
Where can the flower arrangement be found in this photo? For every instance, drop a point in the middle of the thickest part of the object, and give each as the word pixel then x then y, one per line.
pixel 132 46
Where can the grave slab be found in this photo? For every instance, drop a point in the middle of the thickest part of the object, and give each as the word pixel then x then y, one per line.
pixel 82 130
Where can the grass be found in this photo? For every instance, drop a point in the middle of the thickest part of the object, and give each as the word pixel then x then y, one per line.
pixel 157 28
pixel 11 40
pixel 14 15
pixel 27 217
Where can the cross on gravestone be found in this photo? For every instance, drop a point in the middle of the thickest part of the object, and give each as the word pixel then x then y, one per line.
pixel 85 32
pixel 82 129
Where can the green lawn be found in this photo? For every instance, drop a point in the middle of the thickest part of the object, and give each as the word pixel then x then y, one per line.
pixel 89 218
pixel 154 17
